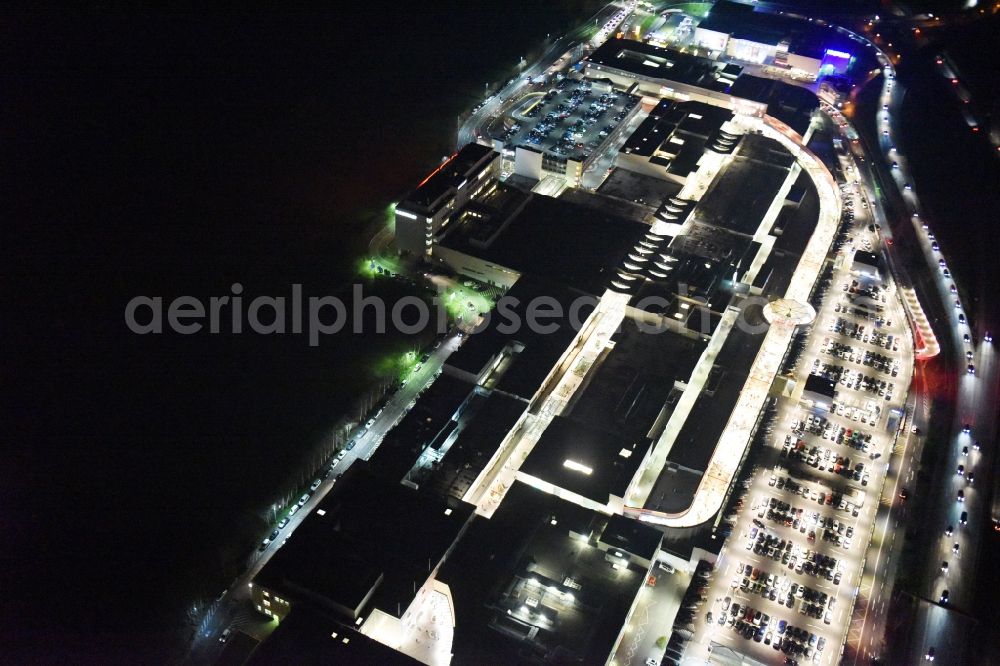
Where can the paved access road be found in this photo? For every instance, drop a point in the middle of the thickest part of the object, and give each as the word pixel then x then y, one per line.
pixel 952 568
pixel 475 126
pixel 233 608
pixel 653 617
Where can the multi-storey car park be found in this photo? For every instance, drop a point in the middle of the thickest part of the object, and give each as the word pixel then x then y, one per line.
pixel 688 460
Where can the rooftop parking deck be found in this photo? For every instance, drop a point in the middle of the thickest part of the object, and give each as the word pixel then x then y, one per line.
pixel 572 120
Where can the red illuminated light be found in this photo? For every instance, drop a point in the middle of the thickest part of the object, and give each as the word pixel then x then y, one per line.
pixel 431 174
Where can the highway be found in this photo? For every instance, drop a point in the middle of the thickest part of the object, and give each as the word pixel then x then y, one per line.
pixel 975 397
pixel 974 403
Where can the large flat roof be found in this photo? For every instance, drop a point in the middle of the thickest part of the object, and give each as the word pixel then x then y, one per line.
pixel 531 353
pixel 339 553
pixel 631 535
pixel 449 175
pixel 633 187
pixel 795 224
pixel 695 443
pixel 630 386
pixel 490 213
pixel 585 459
pixel 615 204
pixel 791 104
pixel 562 242
pixel 742 22
pixel 403 444
pixel 741 194
pixel 654 62
pixel 476 442
pixel 541 547
pixel 308 638
pixel 675 134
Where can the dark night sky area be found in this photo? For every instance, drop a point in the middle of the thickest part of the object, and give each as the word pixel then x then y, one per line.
pixel 172 154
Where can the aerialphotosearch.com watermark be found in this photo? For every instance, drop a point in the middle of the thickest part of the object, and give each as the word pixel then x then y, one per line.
pixel 320 316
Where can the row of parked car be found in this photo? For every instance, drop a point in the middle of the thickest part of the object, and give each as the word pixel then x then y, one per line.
pixel 753 624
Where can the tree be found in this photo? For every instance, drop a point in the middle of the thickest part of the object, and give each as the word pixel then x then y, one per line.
pixel 661 642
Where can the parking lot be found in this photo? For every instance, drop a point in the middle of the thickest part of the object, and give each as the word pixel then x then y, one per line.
pixel 571 120
pixel 790 570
